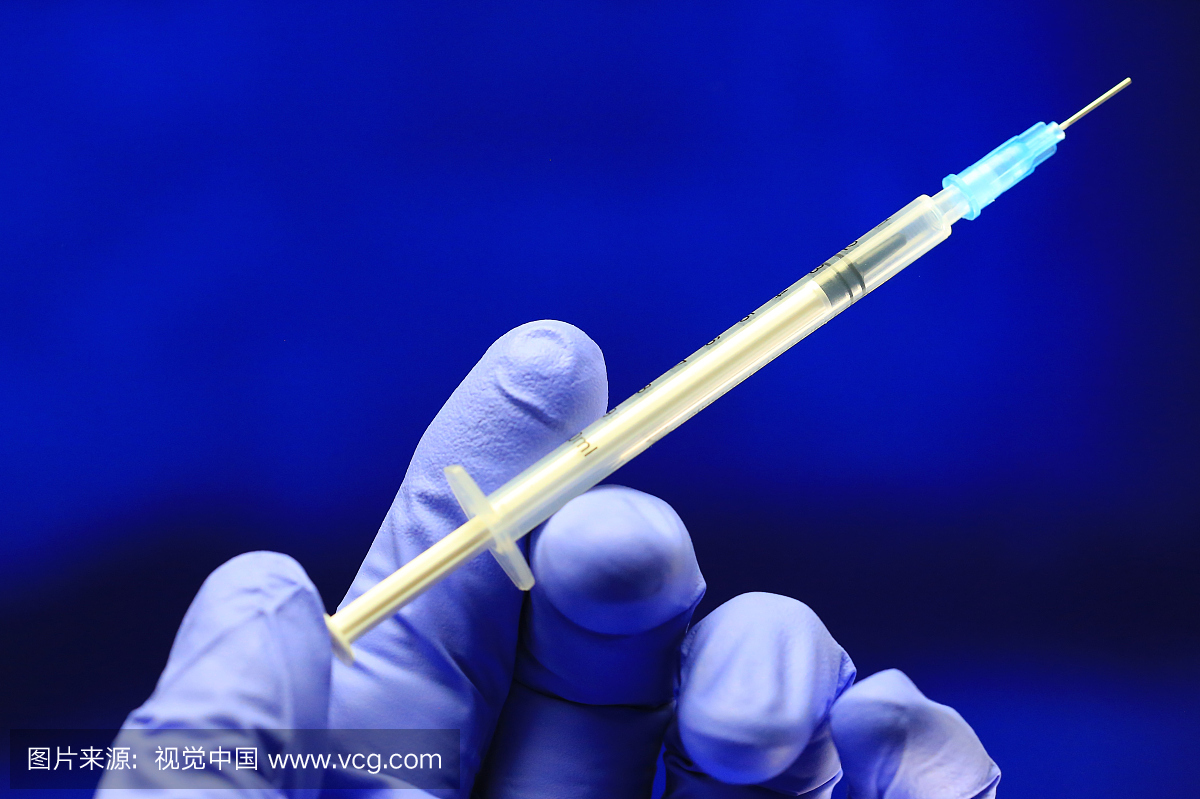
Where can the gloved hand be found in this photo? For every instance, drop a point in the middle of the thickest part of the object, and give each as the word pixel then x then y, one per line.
pixel 568 692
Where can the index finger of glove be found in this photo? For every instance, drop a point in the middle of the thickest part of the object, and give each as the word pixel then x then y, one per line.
pixel 446 659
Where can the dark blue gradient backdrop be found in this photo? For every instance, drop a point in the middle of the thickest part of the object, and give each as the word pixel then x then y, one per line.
pixel 248 248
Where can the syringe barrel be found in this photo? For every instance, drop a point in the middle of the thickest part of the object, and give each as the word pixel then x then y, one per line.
pixel 758 338
pixel 584 460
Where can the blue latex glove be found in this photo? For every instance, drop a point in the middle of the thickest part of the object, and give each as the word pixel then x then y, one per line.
pixel 571 691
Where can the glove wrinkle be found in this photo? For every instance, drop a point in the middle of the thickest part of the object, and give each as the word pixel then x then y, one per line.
pixel 544 380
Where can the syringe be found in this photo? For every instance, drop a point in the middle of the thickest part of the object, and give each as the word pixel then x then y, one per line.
pixel 497 521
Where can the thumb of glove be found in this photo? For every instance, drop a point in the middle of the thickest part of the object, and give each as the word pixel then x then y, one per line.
pixel 251 658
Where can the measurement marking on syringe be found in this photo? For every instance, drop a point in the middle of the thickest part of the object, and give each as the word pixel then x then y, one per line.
pixel 584 446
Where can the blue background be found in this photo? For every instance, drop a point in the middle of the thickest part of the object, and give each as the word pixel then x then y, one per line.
pixel 247 249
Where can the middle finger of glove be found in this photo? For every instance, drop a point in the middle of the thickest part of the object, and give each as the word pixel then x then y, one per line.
pixel 598 655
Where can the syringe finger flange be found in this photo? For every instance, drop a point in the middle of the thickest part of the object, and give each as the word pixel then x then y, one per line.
pixel 504 545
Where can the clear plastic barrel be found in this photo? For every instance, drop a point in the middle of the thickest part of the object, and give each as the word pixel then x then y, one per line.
pixel 604 446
